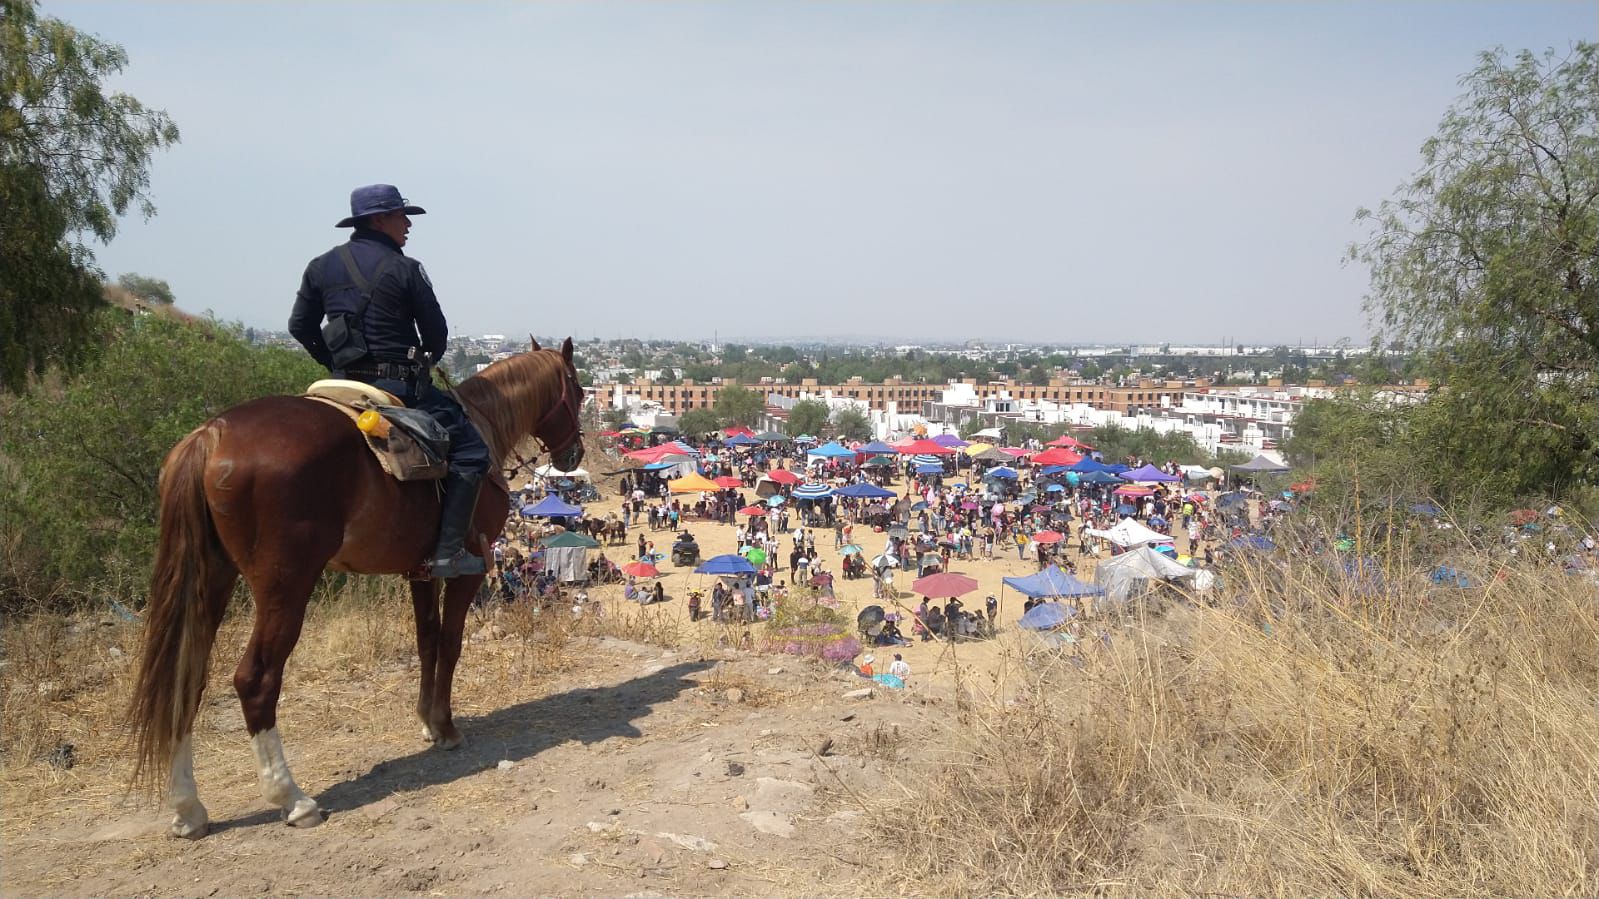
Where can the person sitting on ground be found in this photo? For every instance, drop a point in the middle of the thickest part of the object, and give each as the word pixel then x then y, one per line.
pixel 866 666
pixel 899 667
pixel 659 593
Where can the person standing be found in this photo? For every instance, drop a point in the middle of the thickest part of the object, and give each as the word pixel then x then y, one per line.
pixel 385 328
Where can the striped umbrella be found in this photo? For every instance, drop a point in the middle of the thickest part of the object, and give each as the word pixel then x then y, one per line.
pixel 926 459
pixel 812 491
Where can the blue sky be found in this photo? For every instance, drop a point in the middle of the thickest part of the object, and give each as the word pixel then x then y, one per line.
pixel 911 171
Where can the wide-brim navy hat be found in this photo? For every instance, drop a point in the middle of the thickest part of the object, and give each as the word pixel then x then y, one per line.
pixel 374 199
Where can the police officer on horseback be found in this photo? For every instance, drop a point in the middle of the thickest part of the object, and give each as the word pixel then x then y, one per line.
pixel 384 327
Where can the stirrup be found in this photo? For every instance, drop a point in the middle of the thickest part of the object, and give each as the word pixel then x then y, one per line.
pixel 462 564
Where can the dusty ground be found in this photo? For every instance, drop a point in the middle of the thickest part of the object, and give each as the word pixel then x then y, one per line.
pixel 639 770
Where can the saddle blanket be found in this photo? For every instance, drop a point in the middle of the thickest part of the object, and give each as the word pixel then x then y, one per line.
pixel 402 455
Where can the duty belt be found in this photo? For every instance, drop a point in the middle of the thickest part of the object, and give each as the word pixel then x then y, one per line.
pixel 397 371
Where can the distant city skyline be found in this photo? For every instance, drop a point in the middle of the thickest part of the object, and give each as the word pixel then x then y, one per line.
pixel 1071 172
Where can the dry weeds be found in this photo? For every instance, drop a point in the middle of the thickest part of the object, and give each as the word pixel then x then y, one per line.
pixel 1306 738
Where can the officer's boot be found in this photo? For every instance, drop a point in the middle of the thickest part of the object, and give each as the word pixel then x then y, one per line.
pixel 450 558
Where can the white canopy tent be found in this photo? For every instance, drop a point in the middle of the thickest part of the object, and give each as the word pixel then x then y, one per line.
pixel 1128 532
pixel 550 471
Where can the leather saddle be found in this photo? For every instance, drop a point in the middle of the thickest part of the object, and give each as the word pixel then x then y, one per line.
pixel 409 444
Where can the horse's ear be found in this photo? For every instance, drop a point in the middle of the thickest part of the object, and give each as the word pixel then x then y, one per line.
pixel 566 349
pixel 534 341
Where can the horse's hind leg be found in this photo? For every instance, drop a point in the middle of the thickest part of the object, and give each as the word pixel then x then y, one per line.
pixel 190 820
pixel 279 614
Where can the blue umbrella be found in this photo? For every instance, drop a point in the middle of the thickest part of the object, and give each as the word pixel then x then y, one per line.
pixel 1125 509
pixel 1054 487
pixel 865 491
pixel 1046 615
pixel 812 491
pixel 726 564
pixel 776 500
pixel 930 468
pixel 1001 471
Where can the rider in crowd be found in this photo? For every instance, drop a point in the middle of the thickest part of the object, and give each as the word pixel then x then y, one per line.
pixel 385 328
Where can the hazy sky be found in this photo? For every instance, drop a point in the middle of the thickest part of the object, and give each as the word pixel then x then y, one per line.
pixel 1045 171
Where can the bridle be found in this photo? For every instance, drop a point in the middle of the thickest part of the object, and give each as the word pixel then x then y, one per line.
pixel 570 401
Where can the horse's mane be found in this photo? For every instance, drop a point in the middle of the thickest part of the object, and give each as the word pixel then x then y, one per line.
pixel 510 396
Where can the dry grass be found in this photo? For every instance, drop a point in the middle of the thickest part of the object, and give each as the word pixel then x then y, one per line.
pixel 1307 739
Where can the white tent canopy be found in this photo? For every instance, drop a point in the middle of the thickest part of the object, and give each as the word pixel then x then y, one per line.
pixel 550 471
pixel 1128 532
pixel 1131 571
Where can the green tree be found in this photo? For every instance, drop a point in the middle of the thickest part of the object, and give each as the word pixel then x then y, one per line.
pixel 850 423
pixel 73 159
pixel 151 290
pixel 78 497
pixel 736 405
pixel 1486 265
pixel 698 422
pixel 807 417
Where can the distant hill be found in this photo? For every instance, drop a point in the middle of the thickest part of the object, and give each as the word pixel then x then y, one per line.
pixel 123 300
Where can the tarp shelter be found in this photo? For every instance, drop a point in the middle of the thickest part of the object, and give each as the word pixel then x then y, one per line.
pixel 1197 473
pixel 866 491
pixel 694 483
pixel 550 471
pixel 1148 473
pixel 1132 571
pixel 1046 615
pixel 1129 532
pixel 771 437
pixel 832 451
pixel 1052 582
pixel 1258 542
pixel 991 433
pixel 726 564
pixel 551 507
pixel 1260 465
pixel 566 556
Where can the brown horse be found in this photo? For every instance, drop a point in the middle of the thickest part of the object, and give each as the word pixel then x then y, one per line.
pixel 277 490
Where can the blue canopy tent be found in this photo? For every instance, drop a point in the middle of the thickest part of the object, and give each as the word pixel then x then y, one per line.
pixel 728 564
pixel 866 491
pixel 877 448
pixel 1099 477
pixel 1087 465
pixel 832 451
pixel 1258 542
pixel 551 507
pixel 741 440
pixel 1052 582
pixel 930 468
pixel 812 491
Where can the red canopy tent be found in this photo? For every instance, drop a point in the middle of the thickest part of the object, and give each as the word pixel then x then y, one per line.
pixel 1057 456
pixel 927 447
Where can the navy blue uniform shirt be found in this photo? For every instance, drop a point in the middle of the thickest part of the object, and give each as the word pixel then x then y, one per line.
pixel 403 312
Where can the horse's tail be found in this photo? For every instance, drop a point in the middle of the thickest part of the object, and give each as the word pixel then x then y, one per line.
pixel 181 620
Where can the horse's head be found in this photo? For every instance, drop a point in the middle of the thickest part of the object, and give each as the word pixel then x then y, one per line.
pixel 561 428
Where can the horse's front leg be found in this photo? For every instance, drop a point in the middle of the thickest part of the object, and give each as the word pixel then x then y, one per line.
pixel 425 603
pixel 458 593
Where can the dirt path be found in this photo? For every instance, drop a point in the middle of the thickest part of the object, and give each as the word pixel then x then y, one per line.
pixel 637 771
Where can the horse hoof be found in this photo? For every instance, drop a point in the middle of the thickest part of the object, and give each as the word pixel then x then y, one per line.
pixel 304 814
pixel 452 742
pixel 190 829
